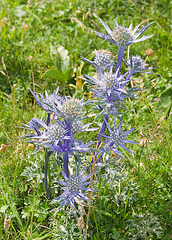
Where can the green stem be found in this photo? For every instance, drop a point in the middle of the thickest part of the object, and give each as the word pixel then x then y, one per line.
pixel 47 155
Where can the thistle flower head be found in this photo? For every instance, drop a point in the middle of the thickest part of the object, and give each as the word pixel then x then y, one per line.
pixel 72 106
pixel 76 127
pixel 55 132
pixel 34 124
pixel 102 59
pixel 109 86
pixel 46 135
pixel 49 101
pixel 117 138
pixel 121 36
pixel 77 143
pixel 71 109
pixel 110 80
pixel 73 187
pixel 35 127
pixel 137 64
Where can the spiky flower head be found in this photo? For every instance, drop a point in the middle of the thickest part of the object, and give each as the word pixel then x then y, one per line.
pixel 49 101
pixel 101 61
pixel 137 64
pixel 34 128
pixel 117 138
pixel 46 135
pixel 73 187
pixel 121 36
pixel 109 86
pixel 34 125
pixel 110 80
pixel 55 131
pixel 71 109
pixel 76 127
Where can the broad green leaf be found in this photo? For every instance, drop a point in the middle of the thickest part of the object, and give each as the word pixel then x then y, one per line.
pixel 54 73
pixel 166 97
pixel 3 208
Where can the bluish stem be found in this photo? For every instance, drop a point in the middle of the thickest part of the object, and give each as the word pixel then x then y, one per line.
pixel 47 155
pixel 129 75
pixel 102 130
pixel 67 147
pixel 48 119
pixel 127 78
pixel 119 61
pixel 65 163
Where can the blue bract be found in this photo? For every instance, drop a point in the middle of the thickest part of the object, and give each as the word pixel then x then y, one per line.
pixel 121 36
pixel 48 103
pixel 136 64
pixel 117 138
pixel 73 187
pixel 101 61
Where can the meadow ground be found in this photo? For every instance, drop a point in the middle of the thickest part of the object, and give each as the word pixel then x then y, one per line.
pixel 41 44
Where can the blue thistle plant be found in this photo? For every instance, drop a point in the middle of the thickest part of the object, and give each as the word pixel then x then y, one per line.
pixel 77 127
pixel 47 103
pixel 101 61
pixel 109 86
pixel 33 125
pixel 51 135
pixel 73 187
pixel 121 36
pixel 57 133
pixel 117 138
pixel 137 64
pixel 70 110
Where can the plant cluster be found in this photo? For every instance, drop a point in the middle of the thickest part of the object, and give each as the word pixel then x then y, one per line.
pixel 41 44
pixel 57 132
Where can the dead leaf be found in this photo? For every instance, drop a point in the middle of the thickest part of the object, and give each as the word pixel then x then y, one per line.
pixel 3 147
pixel 79 22
pixel 3 73
pixel 3 64
pixel 144 141
pixel 160 120
pixel 149 52
pixel 31 146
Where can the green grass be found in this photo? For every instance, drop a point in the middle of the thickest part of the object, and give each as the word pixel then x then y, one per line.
pixel 137 198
